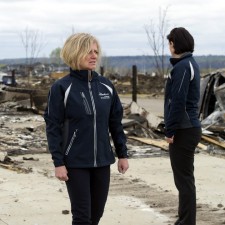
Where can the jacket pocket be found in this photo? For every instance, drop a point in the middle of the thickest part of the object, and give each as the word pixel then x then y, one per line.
pixel 85 103
pixel 71 142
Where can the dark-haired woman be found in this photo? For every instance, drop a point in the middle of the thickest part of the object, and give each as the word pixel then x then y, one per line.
pixel 182 126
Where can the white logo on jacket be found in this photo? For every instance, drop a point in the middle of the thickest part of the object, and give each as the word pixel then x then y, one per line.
pixel 104 95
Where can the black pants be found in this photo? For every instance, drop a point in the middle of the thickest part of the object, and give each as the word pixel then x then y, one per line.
pixel 182 162
pixel 88 191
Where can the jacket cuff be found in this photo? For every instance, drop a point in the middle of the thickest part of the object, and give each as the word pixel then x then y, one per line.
pixel 169 134
pixel 123 156
pixel 58 164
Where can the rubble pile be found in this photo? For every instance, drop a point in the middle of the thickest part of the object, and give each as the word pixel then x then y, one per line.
pixel 36 92
pixel 21 133
pixel 23 128
pixel 144 132
pixel 146 84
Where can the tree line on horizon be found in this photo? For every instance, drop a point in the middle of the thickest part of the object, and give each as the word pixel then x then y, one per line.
pixel 145 64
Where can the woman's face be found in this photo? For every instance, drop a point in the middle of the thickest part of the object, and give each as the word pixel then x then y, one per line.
pixel 172 50
pixel 89 62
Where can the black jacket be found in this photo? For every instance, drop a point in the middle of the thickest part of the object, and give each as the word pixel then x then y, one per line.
pixel 83 108
pixel 182 95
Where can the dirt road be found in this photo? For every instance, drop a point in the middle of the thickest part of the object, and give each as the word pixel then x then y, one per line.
pixel 144 195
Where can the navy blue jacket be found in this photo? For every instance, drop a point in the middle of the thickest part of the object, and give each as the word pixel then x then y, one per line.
pixel 182 95
pixel 79 116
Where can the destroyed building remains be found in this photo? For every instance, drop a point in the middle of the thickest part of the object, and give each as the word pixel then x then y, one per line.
pixel 23 128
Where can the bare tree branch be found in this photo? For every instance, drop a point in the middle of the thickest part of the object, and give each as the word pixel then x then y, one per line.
pixel 156 36
pixel 33 43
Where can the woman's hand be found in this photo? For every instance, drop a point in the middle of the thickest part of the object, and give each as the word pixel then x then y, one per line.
pixel 169 140
pixel 123 165
pixel 61 173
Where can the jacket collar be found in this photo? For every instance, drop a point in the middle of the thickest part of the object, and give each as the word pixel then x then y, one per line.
pixel 173 61
pixel 84 75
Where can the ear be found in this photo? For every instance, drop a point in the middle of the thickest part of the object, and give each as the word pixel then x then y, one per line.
pixel 171 44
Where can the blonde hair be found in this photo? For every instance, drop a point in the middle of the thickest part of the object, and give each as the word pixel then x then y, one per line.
pixel 76 47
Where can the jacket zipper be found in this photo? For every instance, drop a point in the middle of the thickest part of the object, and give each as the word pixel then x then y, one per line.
pixel 86 105
pixel 94 110
pixel 71 142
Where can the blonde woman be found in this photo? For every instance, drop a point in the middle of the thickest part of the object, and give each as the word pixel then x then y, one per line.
pixel 83 107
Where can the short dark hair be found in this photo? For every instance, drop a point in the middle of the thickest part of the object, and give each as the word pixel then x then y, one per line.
pixel 182 40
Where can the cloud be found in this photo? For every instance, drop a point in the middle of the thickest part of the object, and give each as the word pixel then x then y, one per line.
pixel 119 25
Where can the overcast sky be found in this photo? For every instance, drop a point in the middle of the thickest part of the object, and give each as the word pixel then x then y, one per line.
pixel 118 24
